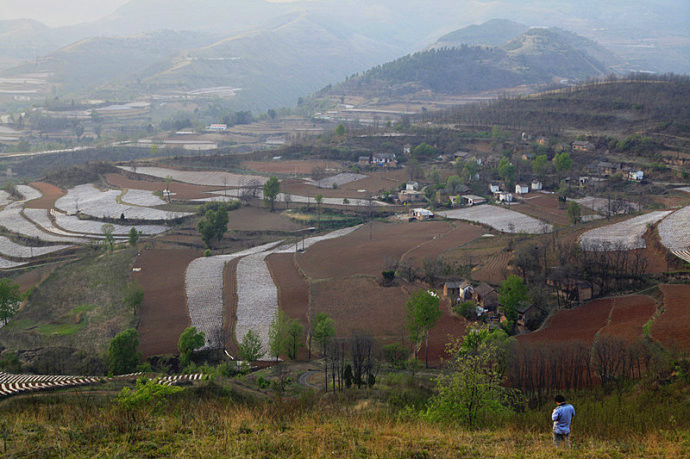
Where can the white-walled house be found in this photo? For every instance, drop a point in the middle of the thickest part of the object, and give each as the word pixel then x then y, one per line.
pixel 521 189
pixel 494 188
pixel 536 185
pixel 636 175
pixel 412 186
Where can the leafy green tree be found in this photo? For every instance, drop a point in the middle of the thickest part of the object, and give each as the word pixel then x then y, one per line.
pixel 189 340
pixel 539 166
pixel 574 212
pixel 511 294
pixel 422 313
pixel 340 130
pixel 562 163
pixel 506 171
pixel 467 309
pixel 323 330
pixel 319 199
pixel 430 195
pixel 424 151
pixel 294 338
pixel 134 237
pixel 469 171
pixel 108 237
pixel 271 190
pixel 122 352
pixel 134 296
pixel 278 334
pixel 214 224
pixel 395 353
pixel 9 299
pixel 251 348
pixel 453 184
pixel 472 394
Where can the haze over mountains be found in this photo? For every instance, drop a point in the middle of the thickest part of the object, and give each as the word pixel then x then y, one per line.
pixel 277 52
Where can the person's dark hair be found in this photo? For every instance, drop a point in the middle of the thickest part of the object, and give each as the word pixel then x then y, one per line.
pixel 560 399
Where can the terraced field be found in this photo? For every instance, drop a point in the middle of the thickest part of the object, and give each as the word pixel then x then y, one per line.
pixel 625 235
pixel 500 218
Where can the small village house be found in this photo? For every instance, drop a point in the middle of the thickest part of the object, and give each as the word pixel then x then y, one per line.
pixel 581 145
pixel 636 175
pixel 217 128
pixel 494 188
pixel 486 297
pixel 412 186
pixel 504 196
pixel 421 214
pixel 383 159
pixel 521 189
pixel 472 200
pixel 458 291
pixel 405 196
pixel 536 185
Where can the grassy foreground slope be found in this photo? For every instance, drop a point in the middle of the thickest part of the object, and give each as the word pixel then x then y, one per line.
pixel 212 421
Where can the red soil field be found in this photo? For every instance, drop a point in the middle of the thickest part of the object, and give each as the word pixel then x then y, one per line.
pixel 289 166
pixel 672 327
pixel 359 303
pixel 356 254
pixel 50 194
pixel 629 315
pixel 182 191
pixel 293 289
pixel 580 324
pixel 493 269
pixel 163 314
pixel 544 207
pixel 260 219
pixel 460 235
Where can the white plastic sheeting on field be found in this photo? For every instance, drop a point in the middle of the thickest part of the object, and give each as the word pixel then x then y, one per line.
pixel 625 235
pixel 502 219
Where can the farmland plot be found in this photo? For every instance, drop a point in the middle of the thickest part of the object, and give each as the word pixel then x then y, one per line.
pixel 674 232
pixel 626 235
pixel 603 205
pixel 12 219
pixel 29 193
pixel 4 198
pixel 257 298
pixel 11 249
pixel 507 221
pixel 204 287
pixel 337 180
pixel 282 197
pixel 77 225
pixel 89 200
pixel 308 242
pixel 7 264
pixel 685 189
pixel 143 198
pixel 213 178
pixel 41 217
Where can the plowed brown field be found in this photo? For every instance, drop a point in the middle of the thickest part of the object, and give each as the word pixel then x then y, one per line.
pixel 163 314
pixel 672 327
pixel 357 254
pixel 580 324
pixel 460 235
pixel 293 288
pixel 629 315
pixel 50 194
pixel 259 219
pixel 182 191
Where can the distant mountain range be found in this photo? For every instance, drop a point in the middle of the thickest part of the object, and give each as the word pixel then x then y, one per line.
pixel 452 67
pixel 277 51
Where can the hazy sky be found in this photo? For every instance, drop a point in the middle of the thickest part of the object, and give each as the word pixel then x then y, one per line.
pixel 58 12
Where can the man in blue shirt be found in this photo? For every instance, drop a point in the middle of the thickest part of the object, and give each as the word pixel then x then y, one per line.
pixel 562 417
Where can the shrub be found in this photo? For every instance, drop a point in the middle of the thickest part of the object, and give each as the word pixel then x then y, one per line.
pixel 148 393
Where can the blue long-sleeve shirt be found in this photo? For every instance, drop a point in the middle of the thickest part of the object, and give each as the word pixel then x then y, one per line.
pixel 562 417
